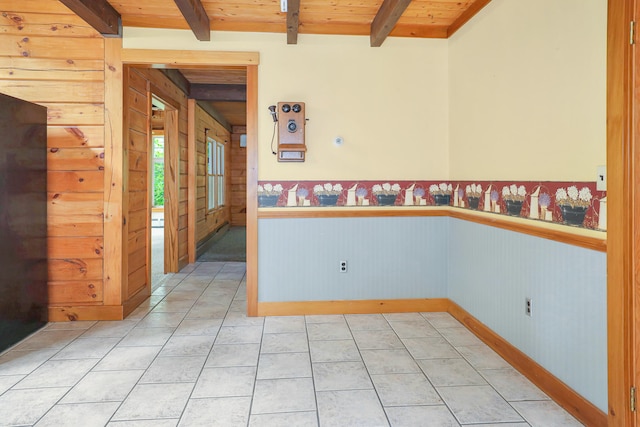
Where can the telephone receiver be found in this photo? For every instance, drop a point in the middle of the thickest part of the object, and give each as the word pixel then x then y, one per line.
pixel 272 109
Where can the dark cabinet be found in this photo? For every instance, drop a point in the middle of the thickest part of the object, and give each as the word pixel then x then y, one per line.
pixel 23 219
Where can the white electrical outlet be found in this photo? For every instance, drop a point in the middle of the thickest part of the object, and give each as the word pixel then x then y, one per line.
pixel 601 181
pixel 343 266
pixel 528 307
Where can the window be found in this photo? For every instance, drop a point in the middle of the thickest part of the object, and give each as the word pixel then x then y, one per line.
pixel 215 174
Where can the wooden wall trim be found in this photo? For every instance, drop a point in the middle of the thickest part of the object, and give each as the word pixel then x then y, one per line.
pixel 188 58
pixel 299 308
pixel 252 190
pixel 192 173
pixel 114 277
pixel 588 239
pixel 566 397
pixel 85 312
pixel 621 252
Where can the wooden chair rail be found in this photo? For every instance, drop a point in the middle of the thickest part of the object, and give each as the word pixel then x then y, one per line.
pixel 589 239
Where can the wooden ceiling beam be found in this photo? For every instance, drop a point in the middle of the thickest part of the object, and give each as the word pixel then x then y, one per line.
pixel 215 114
pixel 469 13
pixel 218 93
pixel 99 14
pixel 178 79
pixel 293 22
pixel 386 19
pixel 196 17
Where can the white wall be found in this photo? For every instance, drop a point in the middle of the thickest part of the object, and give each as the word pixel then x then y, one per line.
pixel 527 91
pixel 388 103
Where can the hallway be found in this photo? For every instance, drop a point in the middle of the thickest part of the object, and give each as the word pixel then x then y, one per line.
pixel 190 357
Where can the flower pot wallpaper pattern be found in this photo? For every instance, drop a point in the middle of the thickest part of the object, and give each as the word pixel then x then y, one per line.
pixel 570 203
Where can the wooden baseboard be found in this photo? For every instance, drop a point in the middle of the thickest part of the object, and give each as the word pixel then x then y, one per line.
pixel 351 307
pixel 95 312
pixel 135 301
pixel 562 394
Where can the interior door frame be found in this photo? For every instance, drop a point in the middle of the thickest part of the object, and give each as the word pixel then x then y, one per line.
pixel 156 58
pixel 623 228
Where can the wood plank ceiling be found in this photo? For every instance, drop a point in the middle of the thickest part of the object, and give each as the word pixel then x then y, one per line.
pixel 378 19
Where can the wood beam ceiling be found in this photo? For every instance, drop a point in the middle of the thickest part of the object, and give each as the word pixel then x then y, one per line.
pixel 211 92
pixel 386 19
pixel 293 14
pixel 197 18
pixel 99 14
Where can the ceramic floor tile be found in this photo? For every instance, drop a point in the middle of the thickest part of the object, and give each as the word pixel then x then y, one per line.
pixel 161 320
pixel 459 337
pixel 328 331
pixel 57 373
pixel 149 401
pixel 76 325
pixel 477 405
pixel 414 329
pixel 110 329
pixel 25 407
pixel 211 312
pixel 354 408
pixel 239 335
pixel 217 412
pixel 512 385
pixel 284 365
pixel 282 324
pixel 145 423
pixel 403 317
pixel 482 357
pixel 241 319
pixel 285 343
pixel 15 362
pixel 225 382
pixel 225 355
pixel 421 416
pixel 125 358
pixel 48 338
pixel 198 345
pixel 441 320
pixel 341 376
pixel 334 351
pixel 405 390
pixel 294 419
pixel 8 381
pixel 367 322
pixel 325 318
pixel 147 337
pixel 450 372
pixel 83 348
pixel 107 386
pixel 377 340
pixel 181 369
pixel 173 306
pixel 76 414
pixel 199 327
pixel 430 348
pixel 283 395
pixel 545 414
pixel 389 362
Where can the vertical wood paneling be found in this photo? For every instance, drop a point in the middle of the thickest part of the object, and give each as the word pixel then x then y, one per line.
pixel 50 56
pixel 238 178
pixel 208 222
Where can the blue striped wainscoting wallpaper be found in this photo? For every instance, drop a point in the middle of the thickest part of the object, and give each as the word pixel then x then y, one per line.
pixel 493 271
pixel 388 258
pixel 487 271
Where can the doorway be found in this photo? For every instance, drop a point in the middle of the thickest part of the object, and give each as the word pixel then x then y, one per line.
pixel 157 170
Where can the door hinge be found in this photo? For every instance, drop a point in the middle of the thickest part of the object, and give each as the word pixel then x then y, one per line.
pixel 632 399
pixel 632 33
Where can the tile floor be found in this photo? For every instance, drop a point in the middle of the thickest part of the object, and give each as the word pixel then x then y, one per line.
pixel 190 357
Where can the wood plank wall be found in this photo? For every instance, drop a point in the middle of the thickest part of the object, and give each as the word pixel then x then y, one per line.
pixel 207 222
pixel 238 172
pixel 170 93
pixel 51 57
pixel 137 124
